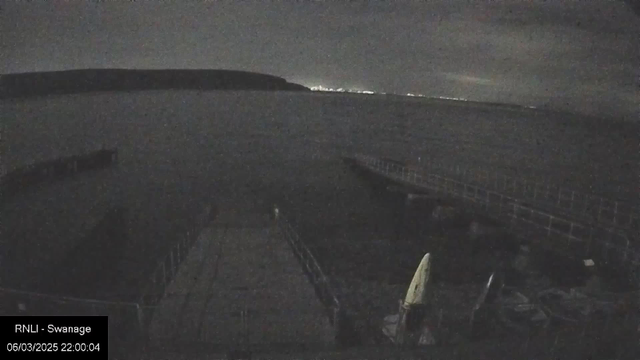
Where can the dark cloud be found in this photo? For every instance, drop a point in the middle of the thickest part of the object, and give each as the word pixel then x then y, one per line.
pixel 507 50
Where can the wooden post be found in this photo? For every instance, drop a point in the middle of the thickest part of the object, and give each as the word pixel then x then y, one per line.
pixel 553 347
pixel 337 326
pixel 179 253
pixel 172 264
pixel 142 330
pixel 164 280
pixel 525 348
pixel 185 243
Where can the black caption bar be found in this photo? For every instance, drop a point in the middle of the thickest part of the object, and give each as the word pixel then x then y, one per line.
pixel 46 337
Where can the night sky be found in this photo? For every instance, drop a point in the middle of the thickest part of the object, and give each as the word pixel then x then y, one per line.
pixel 579 55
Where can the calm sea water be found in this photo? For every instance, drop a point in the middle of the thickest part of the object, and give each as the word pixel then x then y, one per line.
pixel 182 149
pixel 183 130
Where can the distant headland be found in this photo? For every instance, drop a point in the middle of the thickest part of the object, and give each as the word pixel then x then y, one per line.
pixel 20 85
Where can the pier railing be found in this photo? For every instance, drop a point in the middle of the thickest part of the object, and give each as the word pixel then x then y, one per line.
pixel 565 233
pixel 167 268
pixel 589 207
pixel 317 277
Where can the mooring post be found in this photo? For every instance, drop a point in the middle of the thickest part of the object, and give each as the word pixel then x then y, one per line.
pixel 337 328
pixel 143 334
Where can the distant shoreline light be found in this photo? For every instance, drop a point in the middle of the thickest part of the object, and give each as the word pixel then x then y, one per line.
pixel 321 88
pixel 451 98
pixel 327 89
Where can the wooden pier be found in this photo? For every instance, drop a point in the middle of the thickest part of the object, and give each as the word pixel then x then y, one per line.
pixel 241 287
